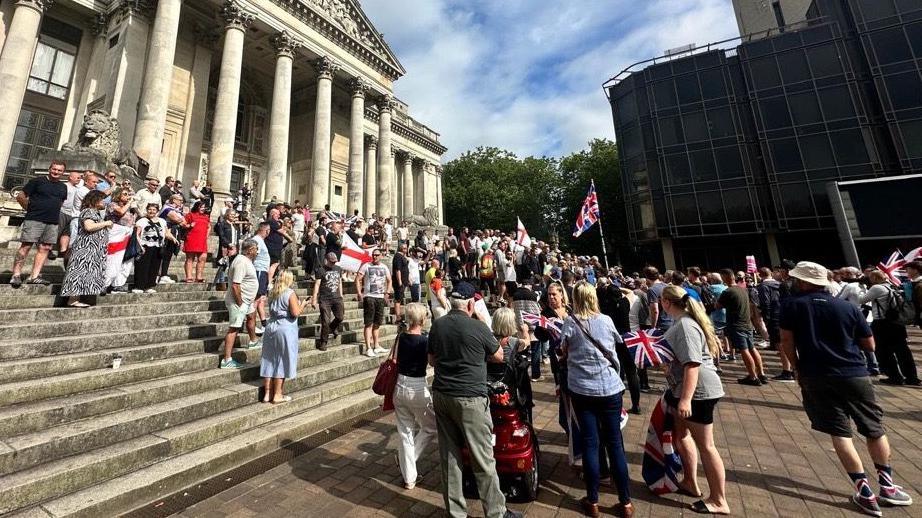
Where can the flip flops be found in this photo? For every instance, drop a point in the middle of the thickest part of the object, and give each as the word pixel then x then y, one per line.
pixel 701 507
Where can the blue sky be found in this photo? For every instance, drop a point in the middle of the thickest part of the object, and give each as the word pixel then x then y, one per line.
pixel 526 75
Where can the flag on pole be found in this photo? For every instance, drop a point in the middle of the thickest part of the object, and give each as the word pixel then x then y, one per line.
pixel 521 235
pixel 353 256
pixel 588 214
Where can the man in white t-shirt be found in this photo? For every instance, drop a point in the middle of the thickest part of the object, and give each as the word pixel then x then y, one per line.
pixel 413 277
pixel 243 285
pixel 373 287
pixel 68 210
pixel 403 234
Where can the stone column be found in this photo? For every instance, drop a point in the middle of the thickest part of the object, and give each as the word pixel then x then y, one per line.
pixel 371 166
pixel 323 128
pixel 438 194
pixel 158 80
pixel 386 195
pixel 224 129
pixel 15 65
pixel 356 146
pixel 408 184
pixel 280 117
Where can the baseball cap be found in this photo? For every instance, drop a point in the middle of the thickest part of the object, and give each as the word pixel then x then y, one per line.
pixel 463 290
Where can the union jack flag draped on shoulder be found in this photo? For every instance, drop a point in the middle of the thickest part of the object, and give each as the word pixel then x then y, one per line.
pixel 648 348
pixel 588 214
pixel 552 325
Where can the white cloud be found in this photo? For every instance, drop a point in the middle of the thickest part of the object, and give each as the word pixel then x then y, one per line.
pixel 526 75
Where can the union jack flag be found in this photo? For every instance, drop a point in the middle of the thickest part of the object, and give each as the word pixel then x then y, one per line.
pixel 648 347
pixel 893 266
pixel 588 214
pixel 661 464
pixel 552 325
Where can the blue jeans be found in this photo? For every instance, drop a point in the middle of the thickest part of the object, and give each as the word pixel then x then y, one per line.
pixel 595 414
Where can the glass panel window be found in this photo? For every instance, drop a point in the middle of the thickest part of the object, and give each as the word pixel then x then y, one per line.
pixel 837 103
pixel 627 109
pixel 63 66
pixel 738 205
pixel 696 128
pixel 905 90
pixel 891 46
pixel 765 73
pixel 35 132
pixel 796 200
pixel 875 9
pixel 677 169
pixel 702 166
pixel 729 162
pixel 43 63
pixel 794 68
pixel 51 71
pixel 664 94
pixel 824 60
pixel 670 131
pixel 710 207
pixel 817 151
pixel 785 155
pixel 849 147
pixel 914 33
pixel 775 113
pixel 685 209
pixel 712 84
pixel 912 138
pixel 720 122
pixel 820 198
pixel 687 87
pixel 805 109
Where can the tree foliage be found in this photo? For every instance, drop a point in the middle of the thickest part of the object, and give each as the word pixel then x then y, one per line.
pixel 489 187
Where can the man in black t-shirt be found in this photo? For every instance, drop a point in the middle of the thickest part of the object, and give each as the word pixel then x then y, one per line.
pixel 42 199
pixel 739 328
pixel 400 267
pixel 459 349
pixel 275 241
pixel 328 291
pixel 334 239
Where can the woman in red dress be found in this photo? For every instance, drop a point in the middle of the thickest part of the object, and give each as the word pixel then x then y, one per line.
pixel 196 247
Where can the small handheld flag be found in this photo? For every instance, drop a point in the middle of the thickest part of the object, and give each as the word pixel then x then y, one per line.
pixel 552 325
pixel 588 214
pixel 648 347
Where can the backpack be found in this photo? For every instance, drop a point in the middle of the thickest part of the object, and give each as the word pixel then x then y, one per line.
pixel 487 271
pixel 899 310
pixel 708 300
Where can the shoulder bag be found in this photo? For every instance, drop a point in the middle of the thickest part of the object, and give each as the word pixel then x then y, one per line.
pixel 386 379
pixel 605 352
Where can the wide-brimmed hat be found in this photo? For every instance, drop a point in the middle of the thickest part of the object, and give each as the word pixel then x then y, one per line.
pixel 812 273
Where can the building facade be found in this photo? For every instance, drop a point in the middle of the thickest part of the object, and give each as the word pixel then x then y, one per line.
pixel 728 150
pixel 294 97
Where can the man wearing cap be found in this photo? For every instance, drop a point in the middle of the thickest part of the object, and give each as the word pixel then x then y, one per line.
pixel 823 337
pixel 459 349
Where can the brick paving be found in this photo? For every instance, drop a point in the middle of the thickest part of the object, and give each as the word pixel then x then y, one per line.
pixel 776 466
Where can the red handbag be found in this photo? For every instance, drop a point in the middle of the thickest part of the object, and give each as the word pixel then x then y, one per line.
pixel 386 379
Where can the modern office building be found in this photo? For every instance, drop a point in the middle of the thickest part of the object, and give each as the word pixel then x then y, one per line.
pixel 727 150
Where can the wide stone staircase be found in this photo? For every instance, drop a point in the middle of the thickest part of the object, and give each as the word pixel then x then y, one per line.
pixel 81 438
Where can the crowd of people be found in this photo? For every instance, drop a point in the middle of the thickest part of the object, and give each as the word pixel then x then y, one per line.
pixel 834 331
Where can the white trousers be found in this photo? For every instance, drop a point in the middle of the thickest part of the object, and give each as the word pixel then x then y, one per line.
pixel 415 423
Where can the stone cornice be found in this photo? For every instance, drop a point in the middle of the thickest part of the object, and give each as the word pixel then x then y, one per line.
pixel 285 44
pixel 408 133
pixel 235 17
pixel 38 5
pixel 362 43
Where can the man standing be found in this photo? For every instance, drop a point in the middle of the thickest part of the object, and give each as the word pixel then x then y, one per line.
pixel 275 240
pixel 144 197
pixel 239 301
pixel 42 198
pixel 459 349
pixel 769 291
pixel 372 286
pixel 167 190
pixel 262 263
pixel 401 269
pixel 823 337
pixel 328 291
pixel 429 275
pixel 739 328
pixel 68 211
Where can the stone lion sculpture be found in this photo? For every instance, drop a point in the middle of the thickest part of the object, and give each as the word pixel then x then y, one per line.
pixel 429 218
pixel 100 135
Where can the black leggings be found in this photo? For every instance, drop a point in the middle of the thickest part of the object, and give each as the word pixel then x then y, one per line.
pixel 146 268
pixel 166 255
pixel 629 373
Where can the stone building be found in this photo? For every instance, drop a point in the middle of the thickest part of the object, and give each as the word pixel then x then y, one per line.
pixel 294 97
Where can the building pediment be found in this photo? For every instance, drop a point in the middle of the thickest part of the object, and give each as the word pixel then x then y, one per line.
pixel 345 23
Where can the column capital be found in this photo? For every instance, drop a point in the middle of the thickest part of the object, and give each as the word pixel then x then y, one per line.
pixel 235 17
pixel 285 44
pixel 372 141
pixel 99 25
pixel 394 151
pixel 408 158
pixel 38 5
pixel 386 103
pixel 325 67
pixel 133 7
pixel 359 86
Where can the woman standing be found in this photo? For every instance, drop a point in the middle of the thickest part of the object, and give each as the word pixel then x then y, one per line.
pixel 152 233
pixel 175 222
pixel 588 343
pixel 412 399
pixel 438 303
pixel 280 339
pixel 86 270
pixel 121 213
pixel 196 246
pixel 694 388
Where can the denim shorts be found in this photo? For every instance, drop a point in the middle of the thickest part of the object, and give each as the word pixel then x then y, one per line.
pixel 740 339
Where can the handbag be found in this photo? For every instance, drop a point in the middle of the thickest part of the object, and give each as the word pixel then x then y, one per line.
pixel 133 249
pixel 605 352
pixel 386 379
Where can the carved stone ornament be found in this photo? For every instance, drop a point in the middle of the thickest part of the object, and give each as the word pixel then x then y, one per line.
pixel 372 141
pixel 285 44
pixel 134 7
pixel 409 158
pixel 394 151
pixel 325 67
pixel 359 87
pixel 99 25
pixel 39 5
pixel 386 104
pixel 235 17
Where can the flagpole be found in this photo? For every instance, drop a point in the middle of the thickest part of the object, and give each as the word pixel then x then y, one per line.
pixel 601 234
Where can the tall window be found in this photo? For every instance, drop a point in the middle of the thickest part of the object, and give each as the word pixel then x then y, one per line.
pixel 35 132
pixel 52 69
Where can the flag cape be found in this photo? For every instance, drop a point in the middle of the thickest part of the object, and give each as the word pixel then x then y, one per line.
pixel 661 464
pixel 119 236
pixel 588 213
pixel 648 348
pixel 353 256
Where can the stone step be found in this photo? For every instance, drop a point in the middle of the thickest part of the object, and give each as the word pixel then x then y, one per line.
pixel 132 474
pixel 31 449
pixel 55 287
pixel 31 415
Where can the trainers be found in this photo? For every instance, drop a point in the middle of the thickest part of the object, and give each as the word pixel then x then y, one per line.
pixel 381 350
pixel 321 346
pixel 254 345
pixel 15 281
pixel 151 290
pixel 513 514
pixel 867 504
pixel 38 281
pixel 784 377
pixel 370 353
pixel 892 381
pixel 260 330
pixel 763 379
pixel 894 495
pixel 136 291
pixel 231 364
pixel 753 382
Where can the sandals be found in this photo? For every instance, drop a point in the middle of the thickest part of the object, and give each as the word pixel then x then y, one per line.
pixel 285 399
pixel 701 507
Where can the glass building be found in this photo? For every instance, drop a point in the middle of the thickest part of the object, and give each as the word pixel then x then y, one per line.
pixel 727 150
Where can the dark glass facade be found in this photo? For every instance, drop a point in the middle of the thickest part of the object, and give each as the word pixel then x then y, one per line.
pixel 744 141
